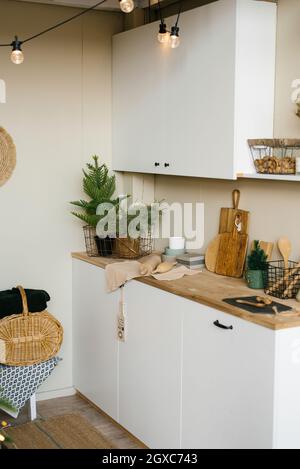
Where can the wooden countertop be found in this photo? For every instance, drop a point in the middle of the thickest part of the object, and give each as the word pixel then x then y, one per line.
pixel 210 289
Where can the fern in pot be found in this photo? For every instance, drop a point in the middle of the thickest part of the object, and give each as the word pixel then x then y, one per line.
pixel 99 187
pixel 257 267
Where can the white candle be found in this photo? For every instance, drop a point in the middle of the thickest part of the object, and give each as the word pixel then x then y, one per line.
pixel 177 243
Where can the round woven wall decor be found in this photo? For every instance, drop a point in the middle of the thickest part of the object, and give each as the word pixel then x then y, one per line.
pixel 7 156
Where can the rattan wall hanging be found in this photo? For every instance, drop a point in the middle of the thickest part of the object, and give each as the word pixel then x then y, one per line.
pixel 7 156
pixel 29 338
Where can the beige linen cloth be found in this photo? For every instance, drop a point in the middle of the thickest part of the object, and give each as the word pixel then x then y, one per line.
pixel 119 273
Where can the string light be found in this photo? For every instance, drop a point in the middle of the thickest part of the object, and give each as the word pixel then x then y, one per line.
pixel 174 38
pixel 17 56
pixel 127 6
pixel 164 36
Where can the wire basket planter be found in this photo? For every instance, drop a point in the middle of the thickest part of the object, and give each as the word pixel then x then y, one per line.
pixel 133 248
pixel 119 248
pixel 90 241
pixel 281 282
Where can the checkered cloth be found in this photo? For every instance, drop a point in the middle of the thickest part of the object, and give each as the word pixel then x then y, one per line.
pixel 19 383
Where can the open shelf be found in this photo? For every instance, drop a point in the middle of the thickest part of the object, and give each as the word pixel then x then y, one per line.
pixel 271 177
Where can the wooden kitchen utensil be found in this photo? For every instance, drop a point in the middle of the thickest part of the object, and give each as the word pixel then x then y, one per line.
pixel 250 303
pixel 212 253
pixel 231 218
pixel 267 247
pixel 264 299
pixel 285 248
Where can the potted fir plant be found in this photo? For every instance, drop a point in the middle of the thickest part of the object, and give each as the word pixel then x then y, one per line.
pixel 257 266
pixel 99 186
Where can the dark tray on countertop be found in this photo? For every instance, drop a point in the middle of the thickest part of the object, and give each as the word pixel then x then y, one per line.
pixel 252 309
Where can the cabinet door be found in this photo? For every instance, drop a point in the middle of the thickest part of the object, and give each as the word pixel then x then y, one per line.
pixel 95 344
pixel 150 367
pixel 228 379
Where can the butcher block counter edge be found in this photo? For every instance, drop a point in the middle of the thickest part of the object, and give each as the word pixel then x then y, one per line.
pixel 210 289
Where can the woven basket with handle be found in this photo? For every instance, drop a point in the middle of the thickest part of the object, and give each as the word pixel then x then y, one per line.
pixel 29 338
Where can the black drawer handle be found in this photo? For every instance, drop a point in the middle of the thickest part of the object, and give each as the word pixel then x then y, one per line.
pixel 221 326
pixel 167 165
pixel 156 164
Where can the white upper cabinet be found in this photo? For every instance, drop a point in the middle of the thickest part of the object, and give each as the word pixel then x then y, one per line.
pixel 189 111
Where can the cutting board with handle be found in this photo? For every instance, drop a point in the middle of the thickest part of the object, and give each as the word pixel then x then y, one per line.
pixel 226 254
pixel 232 218
pixel 233 239
pixel 232 254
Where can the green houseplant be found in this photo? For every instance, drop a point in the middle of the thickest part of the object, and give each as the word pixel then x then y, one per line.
pixel 4 439
pixel 99 187
pixel 257 266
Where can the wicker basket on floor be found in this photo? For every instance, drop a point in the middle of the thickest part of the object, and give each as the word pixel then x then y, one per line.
pixel 29 338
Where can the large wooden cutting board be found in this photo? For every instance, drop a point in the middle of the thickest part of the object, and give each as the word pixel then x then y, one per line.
pixel 230 216
pixel 232 254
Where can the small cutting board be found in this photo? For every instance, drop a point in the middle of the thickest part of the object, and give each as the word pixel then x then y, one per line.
pixel 232 254
pixel 252 309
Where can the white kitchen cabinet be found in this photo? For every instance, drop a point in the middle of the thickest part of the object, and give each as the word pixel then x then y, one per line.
pixel 189 111
pixel 179 380
pixel 95 347
pixel 150 367
pixel 227 393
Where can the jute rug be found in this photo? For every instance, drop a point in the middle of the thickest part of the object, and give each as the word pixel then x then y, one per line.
pixel 63 432
pixel 7 156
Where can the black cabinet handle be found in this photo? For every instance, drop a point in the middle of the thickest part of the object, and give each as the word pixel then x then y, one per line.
pixel 221 326
pixel 167 165
pixel 156 164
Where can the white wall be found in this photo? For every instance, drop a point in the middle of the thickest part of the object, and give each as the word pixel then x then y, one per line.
pixel 58 111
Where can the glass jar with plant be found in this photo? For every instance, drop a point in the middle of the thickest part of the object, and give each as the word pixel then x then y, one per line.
pixel 257 266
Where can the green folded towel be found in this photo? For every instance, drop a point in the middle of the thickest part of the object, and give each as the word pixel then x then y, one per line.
pixel 11 302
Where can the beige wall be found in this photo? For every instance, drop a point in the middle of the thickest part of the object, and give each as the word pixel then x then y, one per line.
pixel 58 112
pixel 274 206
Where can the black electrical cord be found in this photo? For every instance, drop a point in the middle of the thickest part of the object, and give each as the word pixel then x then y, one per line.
pixel 58 25
pixel 179 13
pixel 160 12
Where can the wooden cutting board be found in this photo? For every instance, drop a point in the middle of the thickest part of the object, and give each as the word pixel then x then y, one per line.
pixel 212 254
pixel 231 217
pixel 232 254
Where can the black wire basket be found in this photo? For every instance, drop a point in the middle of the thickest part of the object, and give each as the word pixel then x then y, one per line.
pixel 283 282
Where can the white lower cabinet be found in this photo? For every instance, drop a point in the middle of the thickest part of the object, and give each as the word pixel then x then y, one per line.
pixel 227 381
pixel 182 379
pixel 150 367
pixel 95 348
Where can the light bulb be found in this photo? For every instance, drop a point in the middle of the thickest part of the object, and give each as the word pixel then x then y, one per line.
pixel 127 6
pixel 17 56
pixel 163 35
pixel 174 38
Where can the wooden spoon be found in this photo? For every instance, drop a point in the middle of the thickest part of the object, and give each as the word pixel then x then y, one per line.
pixel 257 305
pixel 285 248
